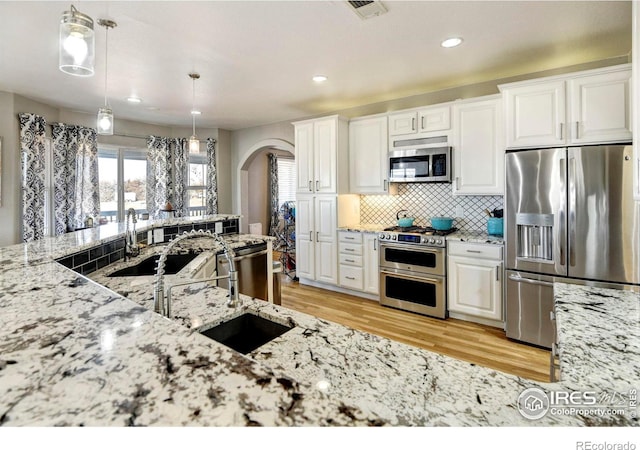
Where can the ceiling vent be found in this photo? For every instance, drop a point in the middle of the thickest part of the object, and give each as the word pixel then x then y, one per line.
pixel 367 9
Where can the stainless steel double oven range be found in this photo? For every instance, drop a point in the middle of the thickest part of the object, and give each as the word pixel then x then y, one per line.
pixel 413 270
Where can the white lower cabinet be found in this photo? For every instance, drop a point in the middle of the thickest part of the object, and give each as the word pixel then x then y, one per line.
pixel 358 261
pixel 474 276
pixel 316 246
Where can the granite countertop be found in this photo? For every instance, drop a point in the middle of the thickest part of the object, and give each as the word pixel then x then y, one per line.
pixel 478 237
pixel 73 352
pixel 364 228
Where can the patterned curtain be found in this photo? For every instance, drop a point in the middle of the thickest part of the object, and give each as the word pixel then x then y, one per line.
pixel 32 135
pixel 273 189
pixel 212 178
pixel 158 174
pixel 181 168
pixel 75 176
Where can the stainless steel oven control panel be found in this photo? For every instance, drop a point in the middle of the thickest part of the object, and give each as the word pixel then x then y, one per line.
pixel 413 238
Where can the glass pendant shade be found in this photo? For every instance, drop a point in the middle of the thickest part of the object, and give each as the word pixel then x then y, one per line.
pixel 194 144
pixel 77 44
pixel 105 121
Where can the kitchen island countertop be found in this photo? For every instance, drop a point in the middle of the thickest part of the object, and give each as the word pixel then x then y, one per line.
pixel 73 352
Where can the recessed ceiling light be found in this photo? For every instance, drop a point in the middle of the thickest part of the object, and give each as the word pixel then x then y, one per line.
pixel 134 99
pixel 451 42
pixel 319 78
pixel 195 112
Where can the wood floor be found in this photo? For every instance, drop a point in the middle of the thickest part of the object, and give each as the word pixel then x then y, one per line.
pixel 479 344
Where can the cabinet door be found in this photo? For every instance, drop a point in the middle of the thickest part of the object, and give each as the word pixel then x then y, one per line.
pixel 371 276
pixel 600 108
pixel 434 119
pixel 326 246
pixel 403 123
pixel 368 160
pixel 304 158
pixel 536 114
pixel 305 239
pixel 635 91
pixel 325 160
pixel 478 149
pixel 475 287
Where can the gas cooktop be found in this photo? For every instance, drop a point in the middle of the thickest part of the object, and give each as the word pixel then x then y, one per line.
pixel 421 230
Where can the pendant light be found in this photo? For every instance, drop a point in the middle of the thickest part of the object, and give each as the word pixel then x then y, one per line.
pixel 194 142
pixel 105 114
pixel 77 43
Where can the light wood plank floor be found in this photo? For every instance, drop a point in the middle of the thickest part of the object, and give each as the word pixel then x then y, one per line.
pixel 479 344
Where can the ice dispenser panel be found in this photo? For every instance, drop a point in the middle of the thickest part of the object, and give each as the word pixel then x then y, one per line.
pixel 535 237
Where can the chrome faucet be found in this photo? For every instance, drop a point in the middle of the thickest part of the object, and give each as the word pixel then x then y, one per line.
pixel 131 238
pixel 158 293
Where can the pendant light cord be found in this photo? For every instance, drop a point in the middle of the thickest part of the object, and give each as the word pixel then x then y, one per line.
pixel 193 106
pixel 106 64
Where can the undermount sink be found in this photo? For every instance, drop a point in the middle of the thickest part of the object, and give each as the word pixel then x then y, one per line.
pixel 174 264
pixel 246 333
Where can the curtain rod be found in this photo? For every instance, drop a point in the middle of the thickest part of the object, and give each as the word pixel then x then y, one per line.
pixel 146 136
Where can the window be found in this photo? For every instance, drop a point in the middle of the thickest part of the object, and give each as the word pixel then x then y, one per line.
pixel 286 180
pixel 197 187
pixel 123 182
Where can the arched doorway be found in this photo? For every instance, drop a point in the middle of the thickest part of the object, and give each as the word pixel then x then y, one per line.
pixel 252 192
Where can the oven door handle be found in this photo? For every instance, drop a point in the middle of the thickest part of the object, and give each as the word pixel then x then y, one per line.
pixel 402 275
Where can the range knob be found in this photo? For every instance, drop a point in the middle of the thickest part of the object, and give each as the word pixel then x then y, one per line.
pixel 439 241
pixel 381 236
pixel 432 241
pixel 388 236
pixel 394 237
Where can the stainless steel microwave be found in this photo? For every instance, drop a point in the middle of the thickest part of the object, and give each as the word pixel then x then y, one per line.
pixel 426 165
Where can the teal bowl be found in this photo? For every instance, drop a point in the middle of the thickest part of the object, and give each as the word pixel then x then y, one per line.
pixel 442 223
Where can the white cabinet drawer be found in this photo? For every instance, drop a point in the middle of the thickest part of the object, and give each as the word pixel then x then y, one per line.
pixel 485 251
pixel 350 249
pixel 350 260
pixel 352 237
pixel 352 277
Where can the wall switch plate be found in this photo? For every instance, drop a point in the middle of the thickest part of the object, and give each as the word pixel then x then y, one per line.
pixel 158 235
pixel 459 211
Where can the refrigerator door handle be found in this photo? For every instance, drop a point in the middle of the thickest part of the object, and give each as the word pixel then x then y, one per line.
pixel 562 219
pixel 572 212
pixel 519 279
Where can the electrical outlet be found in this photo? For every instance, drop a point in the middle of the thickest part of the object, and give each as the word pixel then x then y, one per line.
pixel 459 211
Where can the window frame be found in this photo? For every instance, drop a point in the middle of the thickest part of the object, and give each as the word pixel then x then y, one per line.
pixel 122 153
pixel 202 160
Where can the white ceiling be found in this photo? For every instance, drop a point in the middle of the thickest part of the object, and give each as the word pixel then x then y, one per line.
pixel 256 59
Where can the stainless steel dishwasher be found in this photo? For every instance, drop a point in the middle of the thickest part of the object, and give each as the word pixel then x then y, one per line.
pixel 251 264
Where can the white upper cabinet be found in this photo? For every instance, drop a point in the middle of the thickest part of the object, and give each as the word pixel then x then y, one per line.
pixel 579 108
pixel 600 108
pixel 368 160
pixel 321 155
pixel 425 120
pixel 478 147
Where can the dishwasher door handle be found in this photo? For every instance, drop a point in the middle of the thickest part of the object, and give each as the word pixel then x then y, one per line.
pixel 519 279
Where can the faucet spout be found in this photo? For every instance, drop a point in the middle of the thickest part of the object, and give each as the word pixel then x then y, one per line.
pixel 164 308
pixel 131 237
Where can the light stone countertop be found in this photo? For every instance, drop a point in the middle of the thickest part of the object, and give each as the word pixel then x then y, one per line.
pixel 75 353
pixel 478 237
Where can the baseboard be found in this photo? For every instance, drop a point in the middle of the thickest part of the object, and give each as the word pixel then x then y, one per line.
pixel 333 287
pixel 480 320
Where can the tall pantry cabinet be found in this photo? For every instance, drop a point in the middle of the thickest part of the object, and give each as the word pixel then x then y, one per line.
pixel 322 203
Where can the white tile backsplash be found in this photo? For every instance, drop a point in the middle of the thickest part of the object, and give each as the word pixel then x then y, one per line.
pixel 425 200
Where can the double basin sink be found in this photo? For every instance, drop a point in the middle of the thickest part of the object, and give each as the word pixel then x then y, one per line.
pixel 244 333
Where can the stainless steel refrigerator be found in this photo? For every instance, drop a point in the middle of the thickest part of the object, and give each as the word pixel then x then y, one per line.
pixel 570 216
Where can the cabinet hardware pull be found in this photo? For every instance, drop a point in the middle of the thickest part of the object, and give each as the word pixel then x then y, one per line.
pixel 311 235
pixel 317 185
pixel 310 186
pixel 375 245
pixel 474 251
pixel 498 274
pixel 350 278
pixel 413 124
pixel 577 130
pixel 422 122
pixel 350 260
pixel 317 236
pixel 561 130
pixel 350 249
pixel 349 238
pixel 385 185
